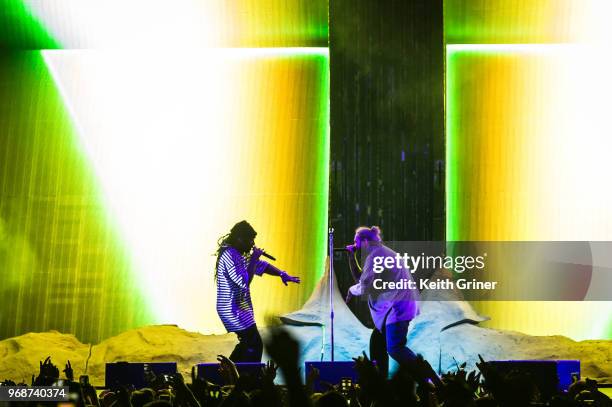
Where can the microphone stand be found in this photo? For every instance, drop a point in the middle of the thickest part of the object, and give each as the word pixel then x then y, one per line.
pixel 331 289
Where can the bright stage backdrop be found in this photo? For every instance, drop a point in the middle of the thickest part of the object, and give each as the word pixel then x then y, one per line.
pixel 132 136
pixel 528 138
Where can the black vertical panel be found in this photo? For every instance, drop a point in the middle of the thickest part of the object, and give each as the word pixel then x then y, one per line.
pixel 387 120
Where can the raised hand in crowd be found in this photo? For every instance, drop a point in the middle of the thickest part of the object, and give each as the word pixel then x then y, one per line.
pixel 412 385
pixel 269 371
pixel 268 394
pixel 206 393
pixel 68 372
pixel 48 373
pixel 184 396
pixel 457 387
pixel 373 384
pixel 228 370
pixel 493 381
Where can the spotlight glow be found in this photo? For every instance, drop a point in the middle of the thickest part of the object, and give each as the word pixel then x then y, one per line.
pixel 528 139
pixel 187 143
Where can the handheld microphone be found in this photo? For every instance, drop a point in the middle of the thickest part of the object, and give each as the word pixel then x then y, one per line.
pixel 344 249
pixel 263 253
pixel 269 256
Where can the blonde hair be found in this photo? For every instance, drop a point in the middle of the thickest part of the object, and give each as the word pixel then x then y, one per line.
pixel 370 234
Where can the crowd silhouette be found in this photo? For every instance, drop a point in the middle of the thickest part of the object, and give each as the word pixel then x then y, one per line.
pixel 408 387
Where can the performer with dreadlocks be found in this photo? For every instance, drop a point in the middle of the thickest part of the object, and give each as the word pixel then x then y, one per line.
pixel 237 263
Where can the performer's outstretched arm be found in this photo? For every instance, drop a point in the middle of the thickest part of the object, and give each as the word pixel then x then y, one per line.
pixel 260 267
pixel 286 278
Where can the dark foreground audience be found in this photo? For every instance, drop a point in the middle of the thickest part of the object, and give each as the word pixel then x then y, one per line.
pixel 456 389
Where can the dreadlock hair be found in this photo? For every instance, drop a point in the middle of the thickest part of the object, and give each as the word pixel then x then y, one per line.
pixel 240 231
